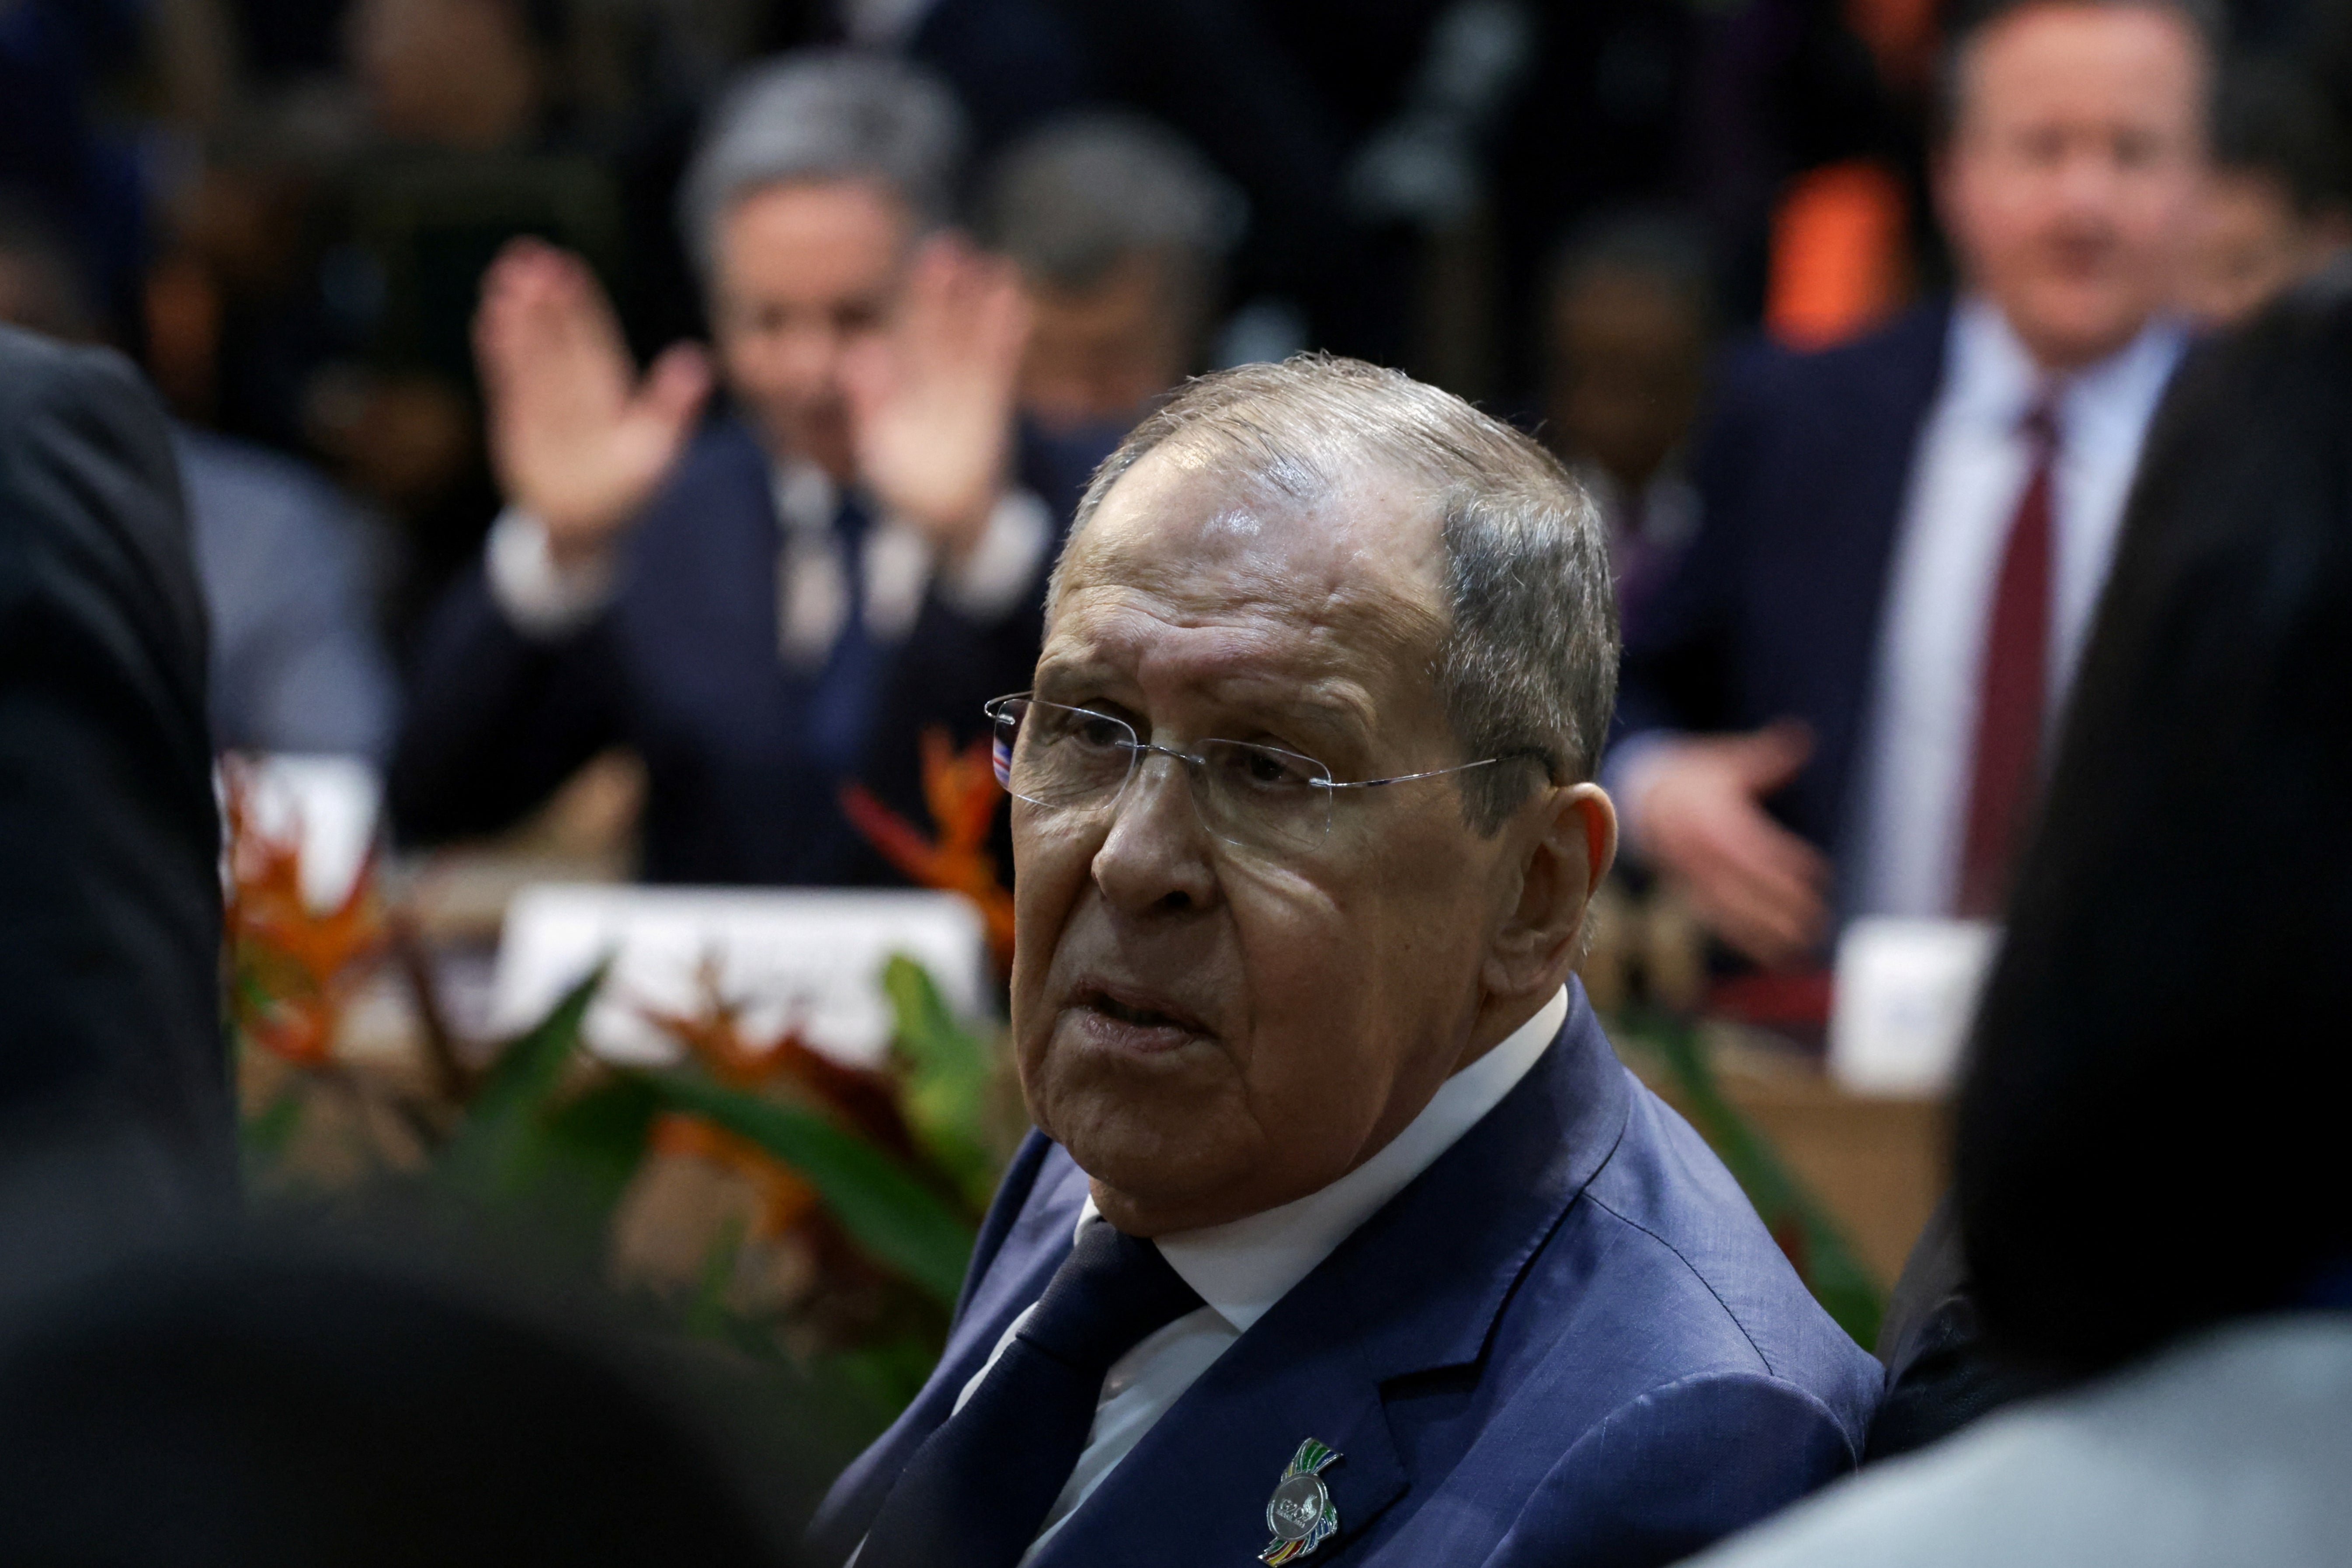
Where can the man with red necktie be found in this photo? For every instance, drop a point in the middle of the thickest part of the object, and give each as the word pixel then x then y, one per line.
pixel 1836 707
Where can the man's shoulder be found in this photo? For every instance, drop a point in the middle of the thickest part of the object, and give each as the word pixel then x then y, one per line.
pixel 723 457
pixel 1887 369
pixel 717 504
pixel 51 390
pixel 85 457
pixel 1666 1249
pixel 1905 341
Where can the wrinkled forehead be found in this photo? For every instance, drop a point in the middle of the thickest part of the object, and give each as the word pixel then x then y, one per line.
pixel 1323 561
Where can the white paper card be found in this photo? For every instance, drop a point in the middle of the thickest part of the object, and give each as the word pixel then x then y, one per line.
pixel 1907 993
pixel 805 957
pixel 328 805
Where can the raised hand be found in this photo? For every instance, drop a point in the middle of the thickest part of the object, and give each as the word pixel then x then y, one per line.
pixel 576 438
pixel 1696 804
pixel 931 399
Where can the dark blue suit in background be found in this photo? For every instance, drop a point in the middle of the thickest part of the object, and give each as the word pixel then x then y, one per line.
pixel 744 754
pixel 1775 610
pixel 1568 1341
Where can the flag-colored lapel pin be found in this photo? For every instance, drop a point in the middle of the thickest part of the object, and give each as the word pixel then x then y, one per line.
pixel 1301 1513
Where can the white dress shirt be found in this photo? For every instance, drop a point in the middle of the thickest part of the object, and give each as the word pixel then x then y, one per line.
pixel 1242 1269
pixel 543 600
pixel 1967 477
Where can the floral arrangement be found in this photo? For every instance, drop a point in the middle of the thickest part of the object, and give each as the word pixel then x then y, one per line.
pixel 829 1210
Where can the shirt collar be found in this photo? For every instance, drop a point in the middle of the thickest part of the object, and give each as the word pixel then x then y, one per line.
pixel 1992 376
pixel 1242 1268
pixel 806 496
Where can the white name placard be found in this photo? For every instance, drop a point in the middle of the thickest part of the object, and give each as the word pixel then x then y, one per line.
pixel 1906 994
pixel 804 958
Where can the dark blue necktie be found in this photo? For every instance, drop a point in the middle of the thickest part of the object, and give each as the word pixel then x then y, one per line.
pixel 841 708
pixel 976 1494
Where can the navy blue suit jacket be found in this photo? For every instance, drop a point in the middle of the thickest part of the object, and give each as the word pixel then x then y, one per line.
pixel 684 669
pixel 1774 611
pixel 1568 1341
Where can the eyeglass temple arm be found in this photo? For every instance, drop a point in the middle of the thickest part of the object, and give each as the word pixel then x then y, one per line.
pixel 1439 772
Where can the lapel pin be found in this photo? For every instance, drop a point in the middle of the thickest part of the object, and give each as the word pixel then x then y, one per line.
pixel 1301 1513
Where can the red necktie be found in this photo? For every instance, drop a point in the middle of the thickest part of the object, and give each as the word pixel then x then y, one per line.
pixel 2014 684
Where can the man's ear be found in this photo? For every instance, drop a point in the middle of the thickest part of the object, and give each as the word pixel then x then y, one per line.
pixel 1568 844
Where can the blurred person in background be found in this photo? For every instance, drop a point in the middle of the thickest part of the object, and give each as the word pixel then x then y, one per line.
pixel 1629 324
pixel 1837 707
pixel 2131 1208
pixel 55 149
pixel 115 1116
pixel 2274 209
pixel 296 664
pixel 787 596
pixel 1120 232
pixel 465 137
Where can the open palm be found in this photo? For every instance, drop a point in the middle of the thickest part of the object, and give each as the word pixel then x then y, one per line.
pixel 931 401
pixel 577 440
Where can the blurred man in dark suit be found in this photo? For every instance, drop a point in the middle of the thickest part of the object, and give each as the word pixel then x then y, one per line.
pixel 1837 705
pixel 113 1081
pixel 786 598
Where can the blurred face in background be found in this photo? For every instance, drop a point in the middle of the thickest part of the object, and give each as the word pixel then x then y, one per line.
pixel 2076 153
pixel 1098 354
pixel 2250 242
pixel 1628 361
pixel 801 272
pixel 463 74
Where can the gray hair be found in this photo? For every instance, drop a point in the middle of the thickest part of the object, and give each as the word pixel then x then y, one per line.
pixel 826 114
pixel 1527 666
pixel 1072 198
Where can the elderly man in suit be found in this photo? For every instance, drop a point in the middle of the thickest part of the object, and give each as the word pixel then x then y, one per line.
pixel 786 598
pixel 1344 1235
pixel 1837 707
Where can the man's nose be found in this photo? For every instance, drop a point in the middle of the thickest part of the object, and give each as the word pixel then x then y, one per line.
pixel 809 354
pixel 2089 178
pixel 1156 854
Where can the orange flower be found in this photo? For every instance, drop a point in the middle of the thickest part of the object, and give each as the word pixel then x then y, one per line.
pixel 962 792
pixel 714 1034
pixel 293 968
pixel 785 1200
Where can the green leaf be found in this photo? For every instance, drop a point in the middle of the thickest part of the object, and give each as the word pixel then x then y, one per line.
pixel 708 1315
pixel 1797 1218
pixel 944 1075
pixel 897 1220
pixel 888 1374
pixel 592 1144
pixel 495 1147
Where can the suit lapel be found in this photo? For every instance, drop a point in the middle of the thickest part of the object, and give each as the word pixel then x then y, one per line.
pixel 1416 1288
pixel 1835 573
pixel 1034 1245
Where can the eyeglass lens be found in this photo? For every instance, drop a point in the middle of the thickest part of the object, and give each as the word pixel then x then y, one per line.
pixel 1068 758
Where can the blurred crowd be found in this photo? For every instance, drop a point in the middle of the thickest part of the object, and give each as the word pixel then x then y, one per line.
pixel 395 266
